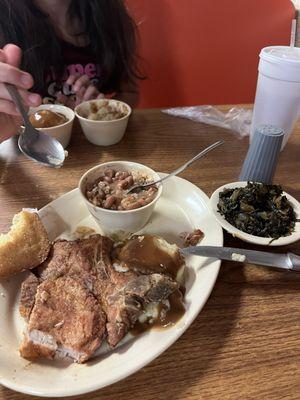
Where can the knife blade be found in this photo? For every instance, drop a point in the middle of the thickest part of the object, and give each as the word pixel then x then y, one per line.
pixel 287 261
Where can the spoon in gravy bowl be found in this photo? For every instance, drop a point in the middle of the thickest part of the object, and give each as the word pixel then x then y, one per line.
pixel 36 145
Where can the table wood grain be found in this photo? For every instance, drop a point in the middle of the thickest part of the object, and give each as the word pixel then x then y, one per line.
pixel 245 344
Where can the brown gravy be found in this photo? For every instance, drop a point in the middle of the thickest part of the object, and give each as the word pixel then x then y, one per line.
pixel 167 319
pixel 47 119
pixel 142 254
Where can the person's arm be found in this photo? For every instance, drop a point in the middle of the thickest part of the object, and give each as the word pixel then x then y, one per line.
pixel 129 93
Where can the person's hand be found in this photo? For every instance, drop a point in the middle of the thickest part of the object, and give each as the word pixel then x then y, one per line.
pixel 83 88
pixel 10 119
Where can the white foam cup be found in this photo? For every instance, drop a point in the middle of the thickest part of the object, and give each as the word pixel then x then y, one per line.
pixel 277 100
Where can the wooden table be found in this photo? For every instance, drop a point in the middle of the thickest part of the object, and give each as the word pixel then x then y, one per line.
pixel 245 344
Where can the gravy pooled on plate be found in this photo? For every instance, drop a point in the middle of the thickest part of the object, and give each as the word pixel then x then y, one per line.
pixel 47 119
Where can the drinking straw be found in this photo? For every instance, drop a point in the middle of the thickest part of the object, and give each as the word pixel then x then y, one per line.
pixel 293 33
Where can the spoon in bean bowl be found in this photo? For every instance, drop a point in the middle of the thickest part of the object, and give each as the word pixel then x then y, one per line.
pixel 178 170
pixel 36 145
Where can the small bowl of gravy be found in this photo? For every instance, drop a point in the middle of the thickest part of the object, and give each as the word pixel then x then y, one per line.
pixel 55 120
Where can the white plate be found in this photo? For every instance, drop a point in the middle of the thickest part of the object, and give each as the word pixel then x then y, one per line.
pixel 284 240
pixel 182 207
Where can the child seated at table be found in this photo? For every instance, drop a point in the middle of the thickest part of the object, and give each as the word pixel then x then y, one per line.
pixel 65 51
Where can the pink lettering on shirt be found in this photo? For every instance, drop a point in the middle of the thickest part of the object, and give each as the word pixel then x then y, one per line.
pixel 74 69
pixel 90 70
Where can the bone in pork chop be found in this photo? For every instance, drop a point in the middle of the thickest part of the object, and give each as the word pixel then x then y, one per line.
pixel 125 288
pixel 124 296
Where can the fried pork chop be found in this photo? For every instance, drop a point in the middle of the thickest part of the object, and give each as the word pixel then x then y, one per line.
pixel 66 318
pixel 78 274
pixel 124 296
pixel 28 292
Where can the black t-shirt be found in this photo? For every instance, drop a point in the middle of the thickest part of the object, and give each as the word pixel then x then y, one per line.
pixel 76 60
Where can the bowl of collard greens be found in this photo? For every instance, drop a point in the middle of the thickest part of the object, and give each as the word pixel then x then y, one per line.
pixel 257 213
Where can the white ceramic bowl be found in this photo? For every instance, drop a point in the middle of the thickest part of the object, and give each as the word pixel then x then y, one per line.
pixel 111 221
pixel 60 132
pixel 102 133
pixel 283 240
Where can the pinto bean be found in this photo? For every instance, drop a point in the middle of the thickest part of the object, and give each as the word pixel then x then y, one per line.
pixel 143 201
pixel 130 203
pixel 110 172
pixel 120 175
pixel 125 183
pixel 152 190
pixel 101 194
pixel 108 179
pixel 122 184
pixel 150 194
pixel 130 180
pixel 109 202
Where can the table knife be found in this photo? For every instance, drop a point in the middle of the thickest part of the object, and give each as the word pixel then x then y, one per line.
pixel 287 261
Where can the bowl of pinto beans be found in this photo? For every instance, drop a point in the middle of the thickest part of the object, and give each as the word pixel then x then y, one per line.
pixel 104 189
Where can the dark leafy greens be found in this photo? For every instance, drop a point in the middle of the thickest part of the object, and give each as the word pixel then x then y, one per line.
pixel 258 209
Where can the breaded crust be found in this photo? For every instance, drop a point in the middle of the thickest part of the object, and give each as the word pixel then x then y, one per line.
pixel 25 246
pixel 66 318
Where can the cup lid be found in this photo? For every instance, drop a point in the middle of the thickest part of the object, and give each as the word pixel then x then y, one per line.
pixel 281 54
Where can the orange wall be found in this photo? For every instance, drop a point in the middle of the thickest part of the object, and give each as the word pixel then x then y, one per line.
pixel 206 51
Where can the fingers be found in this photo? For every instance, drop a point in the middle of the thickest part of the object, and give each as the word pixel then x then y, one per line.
pixel 79 96
pixel 30 99
pixel 13 54
pixel 11 74
pixel 10 58
pixel 72 79
pixel 2 56
pixel 83 81
pixel 90 93
pixel 83 88
pixel 77 81
pixel 8 107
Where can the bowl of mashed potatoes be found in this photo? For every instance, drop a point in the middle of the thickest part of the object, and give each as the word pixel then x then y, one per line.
pixel 103 121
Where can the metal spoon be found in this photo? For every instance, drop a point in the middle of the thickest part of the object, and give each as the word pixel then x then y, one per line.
pixel 36 145
pixel 178 170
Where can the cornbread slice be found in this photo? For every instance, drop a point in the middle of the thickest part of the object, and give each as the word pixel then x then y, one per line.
pixel 25 246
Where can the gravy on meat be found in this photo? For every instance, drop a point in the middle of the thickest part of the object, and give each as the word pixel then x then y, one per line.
pixel 142 254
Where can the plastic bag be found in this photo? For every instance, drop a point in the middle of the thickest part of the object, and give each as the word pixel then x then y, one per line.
pixel 236 119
